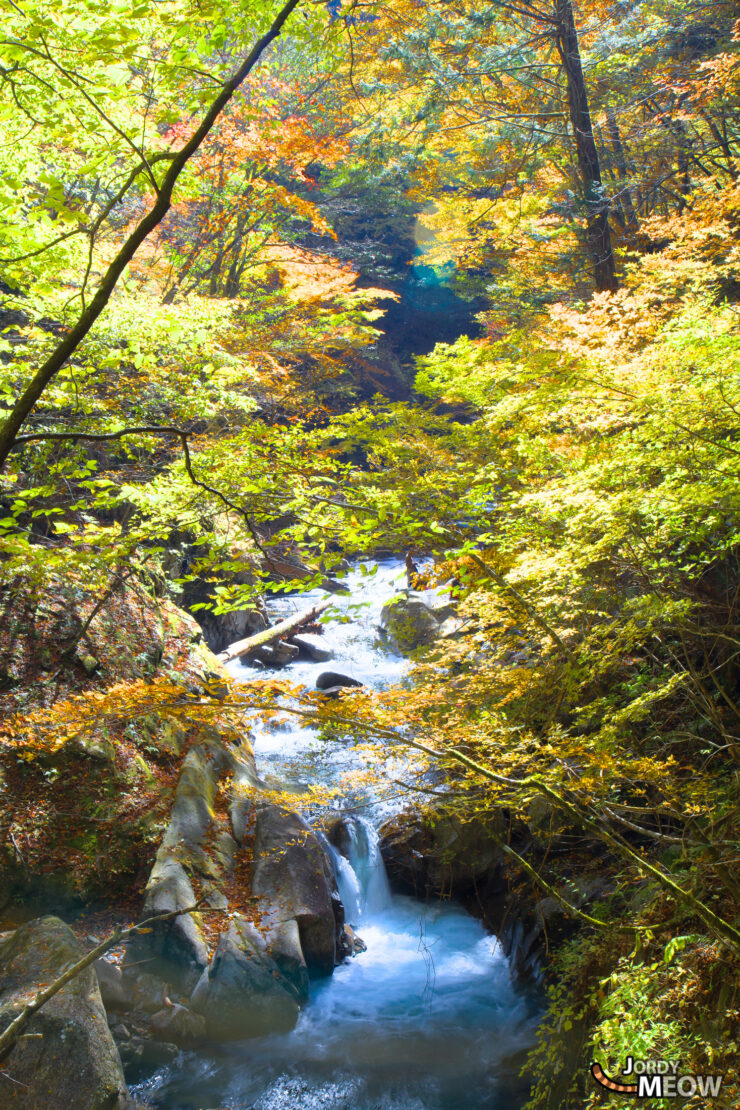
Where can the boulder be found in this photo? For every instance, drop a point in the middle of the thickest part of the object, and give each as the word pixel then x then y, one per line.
pixel 408 623
pixel 311 648
pixel 293 878
pixel 242 993
pixel 179 942
pixel 220 629
pixel 331 680
pixel 69 1058
pixel 340 834
pixel 142 1055
pixel 443 858
pixel 112 990
pixel 276 655
pixel 192 845
pixel 142 991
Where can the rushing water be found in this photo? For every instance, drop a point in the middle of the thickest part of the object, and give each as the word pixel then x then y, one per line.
pixel 427 1018
pixel 287 751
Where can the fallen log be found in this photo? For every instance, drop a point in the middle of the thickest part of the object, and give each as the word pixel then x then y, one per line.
pixel 285 567
pixel 277 632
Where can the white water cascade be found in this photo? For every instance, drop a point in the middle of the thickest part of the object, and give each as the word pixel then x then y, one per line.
pixel 361 877
pixel 426 1019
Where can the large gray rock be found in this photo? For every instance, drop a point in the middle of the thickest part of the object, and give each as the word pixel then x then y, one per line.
pixel 408 623
pixel 193 847
pixel 243 993
pixel 294 880
pixel 221 629
pixel 70 1059
pixel 438 858
pixel 311 647
pixel 178 944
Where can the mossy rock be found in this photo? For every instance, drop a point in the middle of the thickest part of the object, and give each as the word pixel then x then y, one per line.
pixel 408 623
pixel 69 1058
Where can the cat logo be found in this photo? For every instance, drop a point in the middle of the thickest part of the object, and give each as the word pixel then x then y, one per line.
pixel 657 1079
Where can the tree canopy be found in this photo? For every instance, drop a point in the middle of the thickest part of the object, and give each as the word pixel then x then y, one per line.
pixel 230 244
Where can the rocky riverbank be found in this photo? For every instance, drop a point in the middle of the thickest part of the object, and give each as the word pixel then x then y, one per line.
pixel 268 919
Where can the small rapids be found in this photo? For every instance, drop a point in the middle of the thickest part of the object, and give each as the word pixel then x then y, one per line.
pixel 287 752
pixel 426 1019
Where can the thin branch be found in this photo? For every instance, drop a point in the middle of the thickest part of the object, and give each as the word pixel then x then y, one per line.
pixel 51 367
pixel 10 1035
pixel 156 429
pixel 524 603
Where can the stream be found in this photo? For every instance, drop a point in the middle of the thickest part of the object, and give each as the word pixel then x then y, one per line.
pixel 428 1017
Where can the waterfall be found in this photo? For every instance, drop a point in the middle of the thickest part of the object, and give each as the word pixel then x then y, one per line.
pixel 361 879
pixel 347 882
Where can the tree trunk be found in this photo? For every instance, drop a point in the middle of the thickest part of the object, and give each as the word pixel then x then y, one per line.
pixel 683 162
pixel 620 164
pixel 597 206
pixel 290 624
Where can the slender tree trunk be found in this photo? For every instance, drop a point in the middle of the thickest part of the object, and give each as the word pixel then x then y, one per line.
pixel 683 160
pixel 620 164
pixel 597 206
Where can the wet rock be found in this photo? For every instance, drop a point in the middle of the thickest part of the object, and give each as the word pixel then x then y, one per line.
pixel 176 1024
pixel 69 1058
pixel 142 991
pixel 242 993
pixel 351 944
pixel 284 945
pixel 311 648
pixel 341 835
pixel 449 857
pixel 294 880
pixel 110 981
pixel 332 680
pixel 276 655
pixel 408 623
pixel 141 1056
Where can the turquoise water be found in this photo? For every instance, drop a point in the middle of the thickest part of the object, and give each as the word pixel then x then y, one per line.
pixel 428 1017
